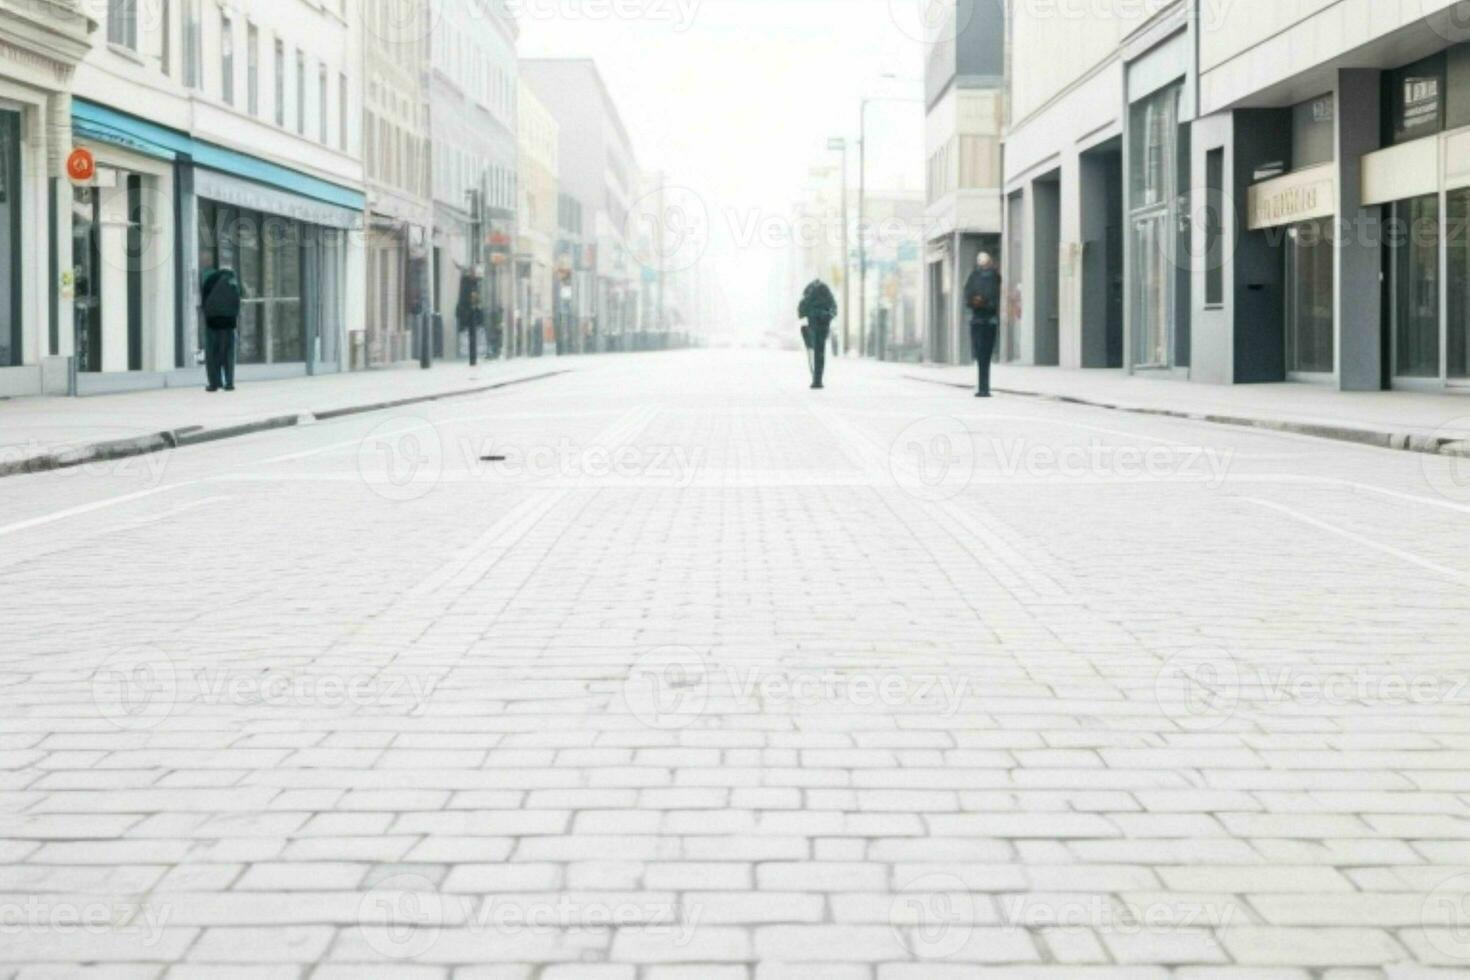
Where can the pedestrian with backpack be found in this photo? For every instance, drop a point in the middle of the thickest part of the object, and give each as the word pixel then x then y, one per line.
pixel 982 296
pixel 818 308
pixel 223 295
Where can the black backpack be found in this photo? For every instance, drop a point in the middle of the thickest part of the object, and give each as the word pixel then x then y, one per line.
pixel 221 295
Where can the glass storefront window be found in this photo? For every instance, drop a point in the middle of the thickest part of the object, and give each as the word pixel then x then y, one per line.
pixel 1154 160
pixel 1154 134
pixel 267 252
pixel 1152 295
pixel 1310 335
pixel 10 198
pixel 1458 243
pixel 1416 244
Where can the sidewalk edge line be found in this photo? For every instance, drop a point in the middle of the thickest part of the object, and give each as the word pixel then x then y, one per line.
pixel 193 435
pixel 1375 438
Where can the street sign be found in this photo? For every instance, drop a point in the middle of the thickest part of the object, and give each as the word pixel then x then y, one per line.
pixel 81 166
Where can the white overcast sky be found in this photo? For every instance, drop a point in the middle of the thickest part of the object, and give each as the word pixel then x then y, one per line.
pixel 736 99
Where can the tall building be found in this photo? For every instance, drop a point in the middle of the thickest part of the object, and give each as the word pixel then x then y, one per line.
pixel 223 137
pixel 964 97
pixel 396 158
pixel 473 115
pixel 597 173
pixel 1238 193
pixel 536 266
pixel 40 46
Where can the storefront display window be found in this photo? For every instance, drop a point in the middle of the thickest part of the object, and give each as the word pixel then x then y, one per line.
pixel 288 269
pixel 1416 245
pixel 1153 163
pixel 10 198
pixel 1310 276
pixel 1458 243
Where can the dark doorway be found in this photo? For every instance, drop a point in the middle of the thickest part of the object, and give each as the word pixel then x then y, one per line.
pixel 1102 256
pixel 1047 319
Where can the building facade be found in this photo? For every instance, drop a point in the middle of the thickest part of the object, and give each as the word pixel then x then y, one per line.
pixel 964 113
pixel 598 169
pixel 473 116
pixel 223 136
pixel 1241 193
pixel 40 47
pixel 537 280
pixel 396 38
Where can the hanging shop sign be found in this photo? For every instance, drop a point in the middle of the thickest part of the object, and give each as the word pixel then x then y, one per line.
pixel 81 166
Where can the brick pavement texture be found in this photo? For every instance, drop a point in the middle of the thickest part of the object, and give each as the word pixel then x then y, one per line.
pixel 713 679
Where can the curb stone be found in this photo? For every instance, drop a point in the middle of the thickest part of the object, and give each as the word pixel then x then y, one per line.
pixel 1403 441
pixel 195 435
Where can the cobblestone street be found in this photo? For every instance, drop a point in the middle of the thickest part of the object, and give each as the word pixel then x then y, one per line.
pixel 669 668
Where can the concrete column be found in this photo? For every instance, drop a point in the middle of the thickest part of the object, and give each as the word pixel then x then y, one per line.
pixel 1359 304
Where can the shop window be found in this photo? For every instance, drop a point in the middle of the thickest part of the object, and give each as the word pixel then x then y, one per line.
pixel 1415 241
pixel 1457 240
pixel 1214 227
pixel 1314 132
pixel 10 228
pixel 1310 318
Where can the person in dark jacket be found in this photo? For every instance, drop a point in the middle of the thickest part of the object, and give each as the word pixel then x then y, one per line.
pixel 982 296
pixel 222 295
pixel 818 308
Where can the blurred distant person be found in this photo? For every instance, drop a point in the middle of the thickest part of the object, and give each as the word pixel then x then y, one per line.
pixel 222 295
pixel 982 296
pixel 818 308
pixel 467 312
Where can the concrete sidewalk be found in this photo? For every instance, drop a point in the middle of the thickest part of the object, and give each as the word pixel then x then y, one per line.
pixel 51 433
pixel 1434 423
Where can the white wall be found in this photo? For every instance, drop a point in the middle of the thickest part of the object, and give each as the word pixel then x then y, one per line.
pixel 1246 47
pixel 1056 43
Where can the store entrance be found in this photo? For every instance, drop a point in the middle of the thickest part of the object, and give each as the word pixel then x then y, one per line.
pixel 1310 294
pixel 1458 242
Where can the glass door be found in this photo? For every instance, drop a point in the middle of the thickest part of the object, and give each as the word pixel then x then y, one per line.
pixel 1457 340
pixel 10 202
pixel 1416 247
pixel 1152 292
pixel 86 221
pixel 1310 330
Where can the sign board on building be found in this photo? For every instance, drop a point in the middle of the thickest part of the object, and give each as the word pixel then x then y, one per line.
pixel 81 166
pixel 1299 196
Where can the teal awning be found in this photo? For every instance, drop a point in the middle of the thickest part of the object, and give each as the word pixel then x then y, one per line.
pixel 98 122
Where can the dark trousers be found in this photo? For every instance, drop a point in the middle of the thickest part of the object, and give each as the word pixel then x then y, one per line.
pixel 983 334
pixel 219 352
pixel 821 334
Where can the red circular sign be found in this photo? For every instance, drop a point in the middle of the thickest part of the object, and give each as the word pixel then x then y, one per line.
pixel 81 166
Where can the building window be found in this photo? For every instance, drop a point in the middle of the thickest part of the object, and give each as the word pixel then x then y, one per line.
pixel 226 58
pixel 344 101
pixel 10 239
pixel 1459 255
pixel 165 33
pixel 1415 245
pixel 193 45
pixel 1214 227
pixel 122 23
pixel 300 93
pixel 1310 339
pixel 1415 99
pixel 280 80
pixel 252 69
pixel 321 103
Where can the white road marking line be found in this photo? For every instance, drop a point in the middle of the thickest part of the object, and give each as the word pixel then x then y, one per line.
pixel 1386 549
pixel 96 505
